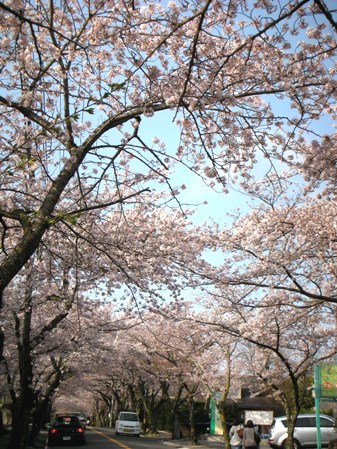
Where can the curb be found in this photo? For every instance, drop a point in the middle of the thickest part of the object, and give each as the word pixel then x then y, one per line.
pixel 169 443
pixel 183 446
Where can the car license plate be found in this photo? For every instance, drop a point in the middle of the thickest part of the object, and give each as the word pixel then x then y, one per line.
pixel 66 438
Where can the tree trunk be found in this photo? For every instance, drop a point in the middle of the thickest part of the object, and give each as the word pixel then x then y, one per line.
pixel 176 432
pixel 194 437
pixel 151 408
pixel 151 421
pixel 221 406
pixel 42 410
pixel 2 427
pixel 292 411
pixel 174 405
pixel 223 418
pixel 21 411
pixel 20 422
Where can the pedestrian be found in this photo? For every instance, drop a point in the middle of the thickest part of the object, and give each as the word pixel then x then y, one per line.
pixel 236 434
pixel 250 438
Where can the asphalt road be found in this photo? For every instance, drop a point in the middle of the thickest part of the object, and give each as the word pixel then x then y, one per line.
pixel 162 441
pixel 98 439
pixel 106 439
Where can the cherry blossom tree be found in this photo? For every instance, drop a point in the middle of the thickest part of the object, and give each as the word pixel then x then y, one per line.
pixel 170 346
pixel 149 363
pixel 34 362
pixel 218 368
pixel 220 380
pixel 66 285
pixel 163 366
pixel 116 371
pixel 77 81
pixel 285 246
pixel 305 339
pixel 284 342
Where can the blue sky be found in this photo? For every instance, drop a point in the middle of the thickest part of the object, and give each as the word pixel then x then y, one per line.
pixel 197 192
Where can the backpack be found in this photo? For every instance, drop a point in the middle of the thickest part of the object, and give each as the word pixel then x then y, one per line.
pixel 240 432
pixel 257 438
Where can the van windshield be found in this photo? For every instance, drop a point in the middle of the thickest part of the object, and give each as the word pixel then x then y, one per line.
pixel 129 417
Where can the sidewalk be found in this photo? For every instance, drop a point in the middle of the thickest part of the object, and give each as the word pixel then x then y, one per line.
pixel 204 442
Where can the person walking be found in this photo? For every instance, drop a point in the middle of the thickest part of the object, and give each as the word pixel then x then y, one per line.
pixel 236 435
pixel 250 439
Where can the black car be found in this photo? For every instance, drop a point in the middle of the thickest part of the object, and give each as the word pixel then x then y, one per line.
pixel 66 429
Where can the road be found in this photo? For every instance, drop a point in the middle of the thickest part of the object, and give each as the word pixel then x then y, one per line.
pixel 99 439
pixel 106 439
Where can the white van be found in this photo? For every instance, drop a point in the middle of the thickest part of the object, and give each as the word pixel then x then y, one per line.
pixel 127 424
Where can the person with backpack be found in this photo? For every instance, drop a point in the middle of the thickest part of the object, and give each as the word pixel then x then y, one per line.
pixel 236 434
pixel 251 439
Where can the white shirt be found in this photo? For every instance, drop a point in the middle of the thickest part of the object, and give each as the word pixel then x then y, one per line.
pixel 235 439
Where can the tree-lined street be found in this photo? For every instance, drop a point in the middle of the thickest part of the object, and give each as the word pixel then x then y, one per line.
pixel 111 295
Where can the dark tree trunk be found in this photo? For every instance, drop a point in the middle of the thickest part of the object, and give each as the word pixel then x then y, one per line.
pixel 194 437
pixel 2 427
pixel 151 407
pixel 176 431
pixel 22 407
pixel 41 412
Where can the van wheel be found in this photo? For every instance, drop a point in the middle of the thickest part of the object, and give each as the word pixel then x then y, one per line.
pixel 296 444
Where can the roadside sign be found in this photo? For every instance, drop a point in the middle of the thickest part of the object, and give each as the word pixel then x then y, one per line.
pixel 325 380
pixel 260 417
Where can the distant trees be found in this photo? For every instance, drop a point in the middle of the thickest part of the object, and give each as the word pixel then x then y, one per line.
pixel 56 320
pixel 154 363
pixel 191 355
